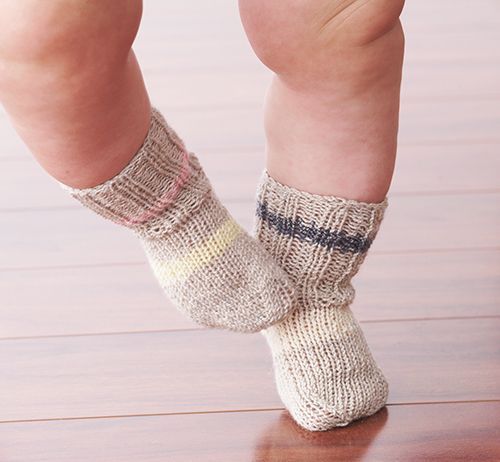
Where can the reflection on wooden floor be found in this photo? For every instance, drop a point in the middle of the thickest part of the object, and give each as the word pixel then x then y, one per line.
pixel 97 366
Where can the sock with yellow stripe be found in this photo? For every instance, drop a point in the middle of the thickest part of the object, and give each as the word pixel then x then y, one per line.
pixel 206 263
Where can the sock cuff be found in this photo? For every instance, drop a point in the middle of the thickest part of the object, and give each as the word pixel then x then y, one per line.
pixel 335 223
pixel 161 185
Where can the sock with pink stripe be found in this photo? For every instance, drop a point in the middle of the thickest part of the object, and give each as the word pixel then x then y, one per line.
pixel 206 263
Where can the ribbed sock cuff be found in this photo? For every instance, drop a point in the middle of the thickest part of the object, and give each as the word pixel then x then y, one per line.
pixel 320 241
pixel 331 222
pixel 158 189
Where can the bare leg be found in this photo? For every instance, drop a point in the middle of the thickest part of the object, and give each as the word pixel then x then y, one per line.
pixel 74 90
pixel 331 124
pixel 72 86
pixel 332 110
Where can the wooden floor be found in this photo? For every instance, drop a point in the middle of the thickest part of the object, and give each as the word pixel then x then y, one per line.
pixel 95 364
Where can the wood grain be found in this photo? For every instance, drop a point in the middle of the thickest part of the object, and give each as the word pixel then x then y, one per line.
pixel 87 300
pixel 194 371
pixel 78 237
pixel 231 129
pixel 90 300
pixel 440 432
pixel 195 37
pixel 419 169
pixel 423 80
pixel 428 285
pixel 238 128
pixel 67 277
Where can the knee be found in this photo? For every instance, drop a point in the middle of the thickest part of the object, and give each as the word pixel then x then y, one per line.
pixel 70 33
pixel 286 35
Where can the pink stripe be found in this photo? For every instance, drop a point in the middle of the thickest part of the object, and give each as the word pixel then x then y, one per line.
pixel 166 200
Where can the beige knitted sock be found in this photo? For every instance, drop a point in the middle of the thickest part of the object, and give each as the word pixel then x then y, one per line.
pixel 325 373
pixel 212 269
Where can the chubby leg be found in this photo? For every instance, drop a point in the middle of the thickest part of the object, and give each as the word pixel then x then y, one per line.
pixel 74 90
pixel 332 109
pixel 331 123
pixel 72 86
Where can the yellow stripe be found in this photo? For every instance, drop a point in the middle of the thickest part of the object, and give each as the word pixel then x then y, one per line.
pixel 180 269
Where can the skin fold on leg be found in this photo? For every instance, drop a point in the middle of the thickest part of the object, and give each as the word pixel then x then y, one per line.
pixel 332 109
pixel 72 86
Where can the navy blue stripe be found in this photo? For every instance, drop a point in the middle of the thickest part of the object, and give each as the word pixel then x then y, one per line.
pixel 310 232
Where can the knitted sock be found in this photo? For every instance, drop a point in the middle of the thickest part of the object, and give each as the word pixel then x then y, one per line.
pixel 212 269
pixel 325 373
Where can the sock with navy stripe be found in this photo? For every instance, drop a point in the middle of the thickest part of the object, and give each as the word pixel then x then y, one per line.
pixel 206 263
pixel 325 373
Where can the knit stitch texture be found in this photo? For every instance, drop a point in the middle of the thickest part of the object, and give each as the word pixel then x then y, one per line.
pixel 206 263
pixel 325 373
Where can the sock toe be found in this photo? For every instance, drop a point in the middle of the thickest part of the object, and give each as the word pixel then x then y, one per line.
pixel 205 262
pixel 325 373
pixel 335 407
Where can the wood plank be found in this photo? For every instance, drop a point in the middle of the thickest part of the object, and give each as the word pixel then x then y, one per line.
pixel 420 169
pixel 64 237
pixel 423 80
pixel 192 37
pixel 237 128
pixel 79 237
pixel 11 146
pixel 217 87
pixel 447 42
pixel 202 73
pixel 230 50
pixel 194 371
pixel 240 128
pixel 443 80
pixel 470 37
pixel 398 433
pixel 43 191
pixel 440 222
pixel 446 168
pixel 73 301
pixel 222 89
pixel 428 285
pixel 181 18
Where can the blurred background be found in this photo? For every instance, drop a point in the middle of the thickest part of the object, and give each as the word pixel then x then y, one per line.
pixel 95 363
